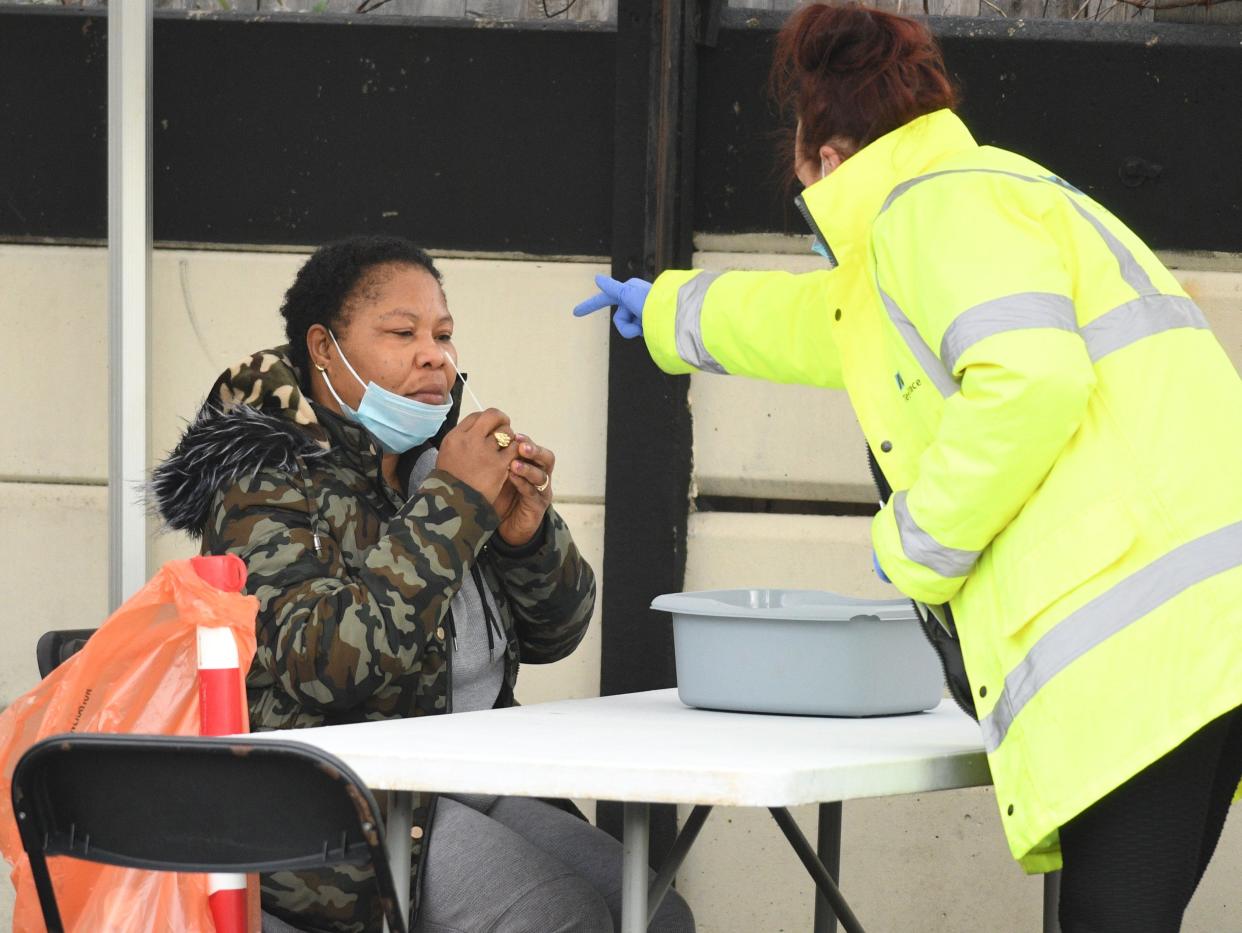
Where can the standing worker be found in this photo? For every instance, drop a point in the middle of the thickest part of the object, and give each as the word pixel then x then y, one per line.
pixel 1063 433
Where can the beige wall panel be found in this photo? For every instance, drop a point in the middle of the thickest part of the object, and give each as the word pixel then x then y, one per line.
pixel 171 545
pixel 576 676
pixel 528 357
pixel 1219 294
pixel 931 863
pixel 210 309
pixel 54 555
pixel 516 339
pixel 775 441
pixel 935 863
pixel 54 358
pixel 793 442
pixel 772 441
pixel 730 549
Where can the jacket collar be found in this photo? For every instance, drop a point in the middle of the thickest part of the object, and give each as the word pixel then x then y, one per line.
pixel 842 207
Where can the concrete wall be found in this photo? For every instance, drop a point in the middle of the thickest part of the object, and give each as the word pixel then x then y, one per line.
pixel 926 863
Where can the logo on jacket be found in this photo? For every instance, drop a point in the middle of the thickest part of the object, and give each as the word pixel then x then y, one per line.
pixel 907 390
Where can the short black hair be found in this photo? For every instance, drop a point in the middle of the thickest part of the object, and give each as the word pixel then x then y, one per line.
pixel 333 276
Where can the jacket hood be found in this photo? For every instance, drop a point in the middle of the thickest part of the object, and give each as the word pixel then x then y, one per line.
pixel 841 208
pixel 255 417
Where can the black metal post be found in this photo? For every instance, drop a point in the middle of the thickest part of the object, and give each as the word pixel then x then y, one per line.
pixel 828 848
pixel 1052 902
pixel 823 881
pixel 647 490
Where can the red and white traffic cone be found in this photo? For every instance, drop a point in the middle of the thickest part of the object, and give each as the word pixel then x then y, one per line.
pixel 220 692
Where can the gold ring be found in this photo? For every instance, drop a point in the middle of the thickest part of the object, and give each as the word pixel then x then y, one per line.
pixel 503 440
pixel 547 478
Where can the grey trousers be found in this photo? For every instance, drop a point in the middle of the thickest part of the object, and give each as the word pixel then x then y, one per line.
pixel 517 865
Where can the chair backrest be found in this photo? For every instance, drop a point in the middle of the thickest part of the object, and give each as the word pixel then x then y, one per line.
pixel 174 803
pixel 59 645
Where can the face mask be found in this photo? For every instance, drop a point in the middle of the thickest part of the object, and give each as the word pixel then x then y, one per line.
pixel 397 422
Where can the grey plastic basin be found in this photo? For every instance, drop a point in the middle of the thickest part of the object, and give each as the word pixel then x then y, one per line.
pixel 808 652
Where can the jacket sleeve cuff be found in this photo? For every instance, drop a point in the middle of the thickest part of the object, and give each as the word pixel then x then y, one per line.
pixel 914 562
pixel 539 540
pixel 660 321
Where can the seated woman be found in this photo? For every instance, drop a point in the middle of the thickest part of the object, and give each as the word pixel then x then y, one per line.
pixel 405 563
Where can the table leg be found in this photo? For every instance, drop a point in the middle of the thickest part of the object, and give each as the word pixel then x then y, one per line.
pixel 397 833
pixel 823 881
pixel 634 867
pixel 828 848
pixel 1052 902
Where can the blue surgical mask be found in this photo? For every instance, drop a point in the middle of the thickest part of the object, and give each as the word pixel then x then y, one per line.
pixel 397 422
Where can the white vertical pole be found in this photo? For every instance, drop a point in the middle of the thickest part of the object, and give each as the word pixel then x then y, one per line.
pixel 635 860
pixel 129 289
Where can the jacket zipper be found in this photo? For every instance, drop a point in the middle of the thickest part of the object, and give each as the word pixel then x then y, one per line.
pixel 819 237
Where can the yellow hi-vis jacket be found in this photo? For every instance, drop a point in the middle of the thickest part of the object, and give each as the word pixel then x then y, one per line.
pixel 1062 431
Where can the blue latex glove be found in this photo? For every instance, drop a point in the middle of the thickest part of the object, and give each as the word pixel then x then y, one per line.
pixel 879 571
pixel 629 298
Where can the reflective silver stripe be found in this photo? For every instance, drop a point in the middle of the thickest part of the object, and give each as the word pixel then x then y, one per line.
pixel 1142 317
pixel 940 377
pixel 1106 615
pixel 925 550
pixel 688 328
pixel 1132 273
pixel 1024 311
pixel 918 180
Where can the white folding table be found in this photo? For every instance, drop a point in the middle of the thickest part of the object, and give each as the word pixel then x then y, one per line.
pixel 646 748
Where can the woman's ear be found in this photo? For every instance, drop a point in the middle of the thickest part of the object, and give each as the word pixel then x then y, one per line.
pixel 317 345
pixel 830 159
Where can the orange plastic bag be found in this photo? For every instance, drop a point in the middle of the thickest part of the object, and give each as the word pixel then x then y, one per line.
pixel 137 674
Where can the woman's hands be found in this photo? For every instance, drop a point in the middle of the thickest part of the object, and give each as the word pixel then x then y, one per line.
pixel 471 453
pixel 524 500
pixel 515 479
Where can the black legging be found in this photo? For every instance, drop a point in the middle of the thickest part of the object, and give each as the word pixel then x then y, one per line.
pixel 1133 859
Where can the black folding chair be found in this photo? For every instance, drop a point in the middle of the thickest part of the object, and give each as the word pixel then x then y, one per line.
pixel 58 646
pixel 172 803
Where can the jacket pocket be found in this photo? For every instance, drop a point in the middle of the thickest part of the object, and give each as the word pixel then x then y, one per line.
pixel 1043 557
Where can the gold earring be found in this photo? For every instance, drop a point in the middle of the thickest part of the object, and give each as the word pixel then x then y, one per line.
pixel 320 368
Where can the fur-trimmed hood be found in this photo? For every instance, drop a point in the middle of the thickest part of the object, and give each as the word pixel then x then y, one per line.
pixel 255 417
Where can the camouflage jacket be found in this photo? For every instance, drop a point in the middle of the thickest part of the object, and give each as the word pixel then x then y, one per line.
pixel 354 579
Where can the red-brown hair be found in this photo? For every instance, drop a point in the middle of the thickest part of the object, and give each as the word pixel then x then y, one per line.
pixel 853 73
